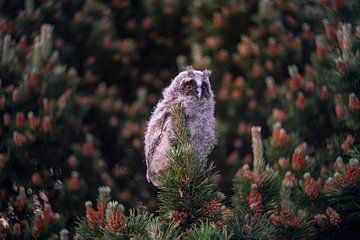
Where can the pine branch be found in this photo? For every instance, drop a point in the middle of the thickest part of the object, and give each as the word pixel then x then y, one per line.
pixel 241 188
pixel 178 123
pixel 187 195
pixel 247 226
pixel 87 232
pixel 269 189
pixel 207 231
pixel 355 152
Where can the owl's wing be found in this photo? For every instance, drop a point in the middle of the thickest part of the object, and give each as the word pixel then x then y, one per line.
pixel 154 131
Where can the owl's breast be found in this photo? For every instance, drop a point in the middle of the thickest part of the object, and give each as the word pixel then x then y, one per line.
pixel 201 131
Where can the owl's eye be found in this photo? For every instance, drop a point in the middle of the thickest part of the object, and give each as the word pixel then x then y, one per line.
pixel 189 86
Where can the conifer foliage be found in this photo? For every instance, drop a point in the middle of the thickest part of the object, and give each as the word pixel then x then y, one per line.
pixel 190 206
pixel 79 78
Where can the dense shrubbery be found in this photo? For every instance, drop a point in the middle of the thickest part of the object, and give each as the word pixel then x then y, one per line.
pixel 79 79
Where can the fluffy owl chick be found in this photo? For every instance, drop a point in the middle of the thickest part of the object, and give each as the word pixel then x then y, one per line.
pixel 192 89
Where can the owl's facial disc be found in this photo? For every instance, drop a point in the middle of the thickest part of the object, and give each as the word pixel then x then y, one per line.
pixel 195 87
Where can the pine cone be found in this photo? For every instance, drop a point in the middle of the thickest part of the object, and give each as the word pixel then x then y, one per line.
pixel 247 173
pixel 351 175
pixel 298 158
pixel 179 217
pixel 279 137
pixel 290 180
pixel 95 218
pixel 255 200
pixel 354 102
pixel 311 187
pixel 334 217
pixel 340 180
pixel 115 222
pixel 211 208
pixel 328 183
pixel 294 221
pixel 320 219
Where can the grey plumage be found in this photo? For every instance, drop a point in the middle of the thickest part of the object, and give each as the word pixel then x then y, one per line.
pixel 191 88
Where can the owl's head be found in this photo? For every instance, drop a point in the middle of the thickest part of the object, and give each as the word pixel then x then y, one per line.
pixel 190 83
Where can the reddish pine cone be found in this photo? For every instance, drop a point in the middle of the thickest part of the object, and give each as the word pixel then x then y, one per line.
pixel 346 145
pixel 115 222
pixel 311 187
pixel 74 182
pixel 320 219
pixel 46 105
pixel 354 102
pixel 339 110
pixel 282 162
pixel 294 221
pixel 296 82
pixel 19 138
pixel 218 20
pixel 298 157
pixel 279 137
pixel 247 173
pixel 309 70
pixel 32 121
pixel 329 184
pixel 19 120
pixel 39 223
pixel 320 51
pixel 273 49
pixel 352 173
pixel 179 217
pixel 256 71
pixel 220 225
pixel 306 32
pixel 35 233
pixel 339 179
pixel 285 218
pixel 88 149
pixel 48 214
pixel 255 200
pixel 334 217
pixel 20 203
pixel 269 65
pixel 32 81
pixel 290 180
pixel 47 124
pixel 341 66
pixel 338 4
pixel 339 164
pixel 278 115
pixel 95 218
pixel 324 93
pixel 211 208
pixel 301 101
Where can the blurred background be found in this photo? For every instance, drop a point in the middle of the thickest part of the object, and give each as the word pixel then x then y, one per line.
pixel 80 78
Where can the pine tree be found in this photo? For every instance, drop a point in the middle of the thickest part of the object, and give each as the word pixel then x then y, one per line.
pixel 190 206
pixel 78 79
pixel 311 107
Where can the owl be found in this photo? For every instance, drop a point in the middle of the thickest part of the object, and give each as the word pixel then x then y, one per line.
pixel 192 89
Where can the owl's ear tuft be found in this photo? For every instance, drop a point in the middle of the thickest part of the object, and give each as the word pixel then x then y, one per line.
pixel 206 73
pixel 189 68
pixel 190 71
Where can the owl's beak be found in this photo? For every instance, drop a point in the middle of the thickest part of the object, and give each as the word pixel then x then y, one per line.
pixel 199 92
